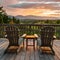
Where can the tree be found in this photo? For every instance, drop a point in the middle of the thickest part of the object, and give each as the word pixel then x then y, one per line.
pixel 58 21
pixel 3 16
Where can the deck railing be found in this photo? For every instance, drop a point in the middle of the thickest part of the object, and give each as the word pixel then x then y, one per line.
pixel 29 28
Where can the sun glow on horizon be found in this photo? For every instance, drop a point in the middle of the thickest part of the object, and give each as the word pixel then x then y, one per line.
pixel 35 12
pixel 45 8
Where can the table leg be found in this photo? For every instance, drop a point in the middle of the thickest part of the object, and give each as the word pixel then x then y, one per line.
pixel 26 44
pixel 34 44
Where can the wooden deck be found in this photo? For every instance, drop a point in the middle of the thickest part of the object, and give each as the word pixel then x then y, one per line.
pixel 30 54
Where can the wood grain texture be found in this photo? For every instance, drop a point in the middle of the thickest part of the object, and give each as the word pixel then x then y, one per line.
pixel 30 54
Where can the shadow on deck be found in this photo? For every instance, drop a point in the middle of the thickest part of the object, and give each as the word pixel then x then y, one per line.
pixel 30 54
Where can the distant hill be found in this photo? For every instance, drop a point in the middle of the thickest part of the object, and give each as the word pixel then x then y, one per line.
pixel 32 17
pixel 36 17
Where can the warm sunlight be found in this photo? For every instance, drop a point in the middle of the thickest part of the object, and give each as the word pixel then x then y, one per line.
pixel 35 12
pixel 32 8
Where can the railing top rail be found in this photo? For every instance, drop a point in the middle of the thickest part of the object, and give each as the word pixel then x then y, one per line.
pixel 30 24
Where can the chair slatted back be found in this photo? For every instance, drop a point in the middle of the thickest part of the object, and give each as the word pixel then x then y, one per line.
pixel 47 36
pixel 12 35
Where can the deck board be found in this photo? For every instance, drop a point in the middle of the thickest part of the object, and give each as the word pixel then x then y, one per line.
pixel 30 54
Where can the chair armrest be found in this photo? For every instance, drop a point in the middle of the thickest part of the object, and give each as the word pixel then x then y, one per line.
pixel 36 35
pixel 5 36
pixel 54 37
pixel 23 35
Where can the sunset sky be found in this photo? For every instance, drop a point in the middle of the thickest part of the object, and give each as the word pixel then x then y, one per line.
pixel 43 8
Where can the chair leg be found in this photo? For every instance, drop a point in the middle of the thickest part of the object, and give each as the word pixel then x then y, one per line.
pixel 52 51
pixel 41 52
pixel 23 43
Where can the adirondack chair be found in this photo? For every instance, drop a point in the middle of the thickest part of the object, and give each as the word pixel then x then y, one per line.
pixel 46 38
pixel 13 37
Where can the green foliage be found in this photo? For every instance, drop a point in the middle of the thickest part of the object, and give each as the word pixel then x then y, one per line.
pixel 3 16
pixel 58 21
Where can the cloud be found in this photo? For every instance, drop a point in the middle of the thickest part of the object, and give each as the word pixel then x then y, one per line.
pixel 42 4
pixel 32 7
pixel 7 2
pixel 39 0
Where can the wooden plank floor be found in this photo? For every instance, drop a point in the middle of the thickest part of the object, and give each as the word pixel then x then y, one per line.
pixel 30 54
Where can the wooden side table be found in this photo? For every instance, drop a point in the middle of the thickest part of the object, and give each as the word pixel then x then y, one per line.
pixel 30 37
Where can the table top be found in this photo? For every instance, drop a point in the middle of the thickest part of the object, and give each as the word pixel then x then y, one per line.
pixel 30 36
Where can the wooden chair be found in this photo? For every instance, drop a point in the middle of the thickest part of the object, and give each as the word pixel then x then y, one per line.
pixel 12 35
pixel 47 34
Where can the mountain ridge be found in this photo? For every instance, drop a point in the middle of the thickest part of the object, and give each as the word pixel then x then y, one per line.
pixel 35 17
